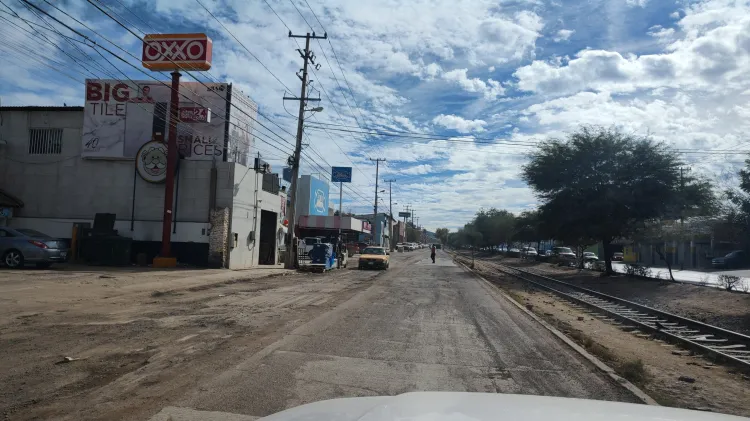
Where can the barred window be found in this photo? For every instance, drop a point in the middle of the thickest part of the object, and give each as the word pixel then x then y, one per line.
pixel 45 141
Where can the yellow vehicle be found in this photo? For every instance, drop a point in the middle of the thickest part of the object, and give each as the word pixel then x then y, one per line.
pixel 374 257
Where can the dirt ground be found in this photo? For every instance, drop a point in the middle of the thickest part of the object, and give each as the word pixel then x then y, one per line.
pixel 730 310
pixel 715 388
pixel 138 339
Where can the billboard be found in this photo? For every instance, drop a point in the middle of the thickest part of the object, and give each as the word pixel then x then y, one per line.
pixel 120 116
pixel 341 174
pixel 176 52
pixel 404 214
pixel 318 197
pixel 241 114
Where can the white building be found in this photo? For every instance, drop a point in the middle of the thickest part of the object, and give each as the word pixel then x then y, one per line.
pixel 226 213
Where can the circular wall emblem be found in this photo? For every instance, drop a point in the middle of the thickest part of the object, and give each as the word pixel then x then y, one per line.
pixel 151 162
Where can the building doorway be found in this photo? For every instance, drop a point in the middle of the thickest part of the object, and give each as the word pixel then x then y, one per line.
pixel 267 238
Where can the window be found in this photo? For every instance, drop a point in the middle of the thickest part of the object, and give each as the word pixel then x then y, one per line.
pixel 45 141
pixel 4 233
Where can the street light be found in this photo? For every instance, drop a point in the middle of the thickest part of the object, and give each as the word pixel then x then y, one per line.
pixel 316 109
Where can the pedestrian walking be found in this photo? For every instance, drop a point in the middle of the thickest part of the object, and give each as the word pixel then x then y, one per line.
pixel 432 253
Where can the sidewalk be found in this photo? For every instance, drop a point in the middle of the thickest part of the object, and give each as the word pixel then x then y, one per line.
pixel 691 276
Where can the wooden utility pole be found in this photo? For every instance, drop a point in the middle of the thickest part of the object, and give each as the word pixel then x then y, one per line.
pixel 307 56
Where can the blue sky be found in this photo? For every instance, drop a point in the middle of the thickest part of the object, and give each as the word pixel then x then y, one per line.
pixel 495 77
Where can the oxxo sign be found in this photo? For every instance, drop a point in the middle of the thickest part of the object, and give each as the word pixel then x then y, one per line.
pixel 176 52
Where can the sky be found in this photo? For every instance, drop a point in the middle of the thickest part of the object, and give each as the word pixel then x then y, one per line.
pixel 488 79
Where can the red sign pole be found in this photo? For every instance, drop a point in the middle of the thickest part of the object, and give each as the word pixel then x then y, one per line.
pixel 174 115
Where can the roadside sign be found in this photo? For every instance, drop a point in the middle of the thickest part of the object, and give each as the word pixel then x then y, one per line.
pixel 404 214
pixel 176 51
pixel 341 174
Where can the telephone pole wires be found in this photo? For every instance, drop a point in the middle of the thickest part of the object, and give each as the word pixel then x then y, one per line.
pixel 375 215
pixel 390 207
pixel 307 56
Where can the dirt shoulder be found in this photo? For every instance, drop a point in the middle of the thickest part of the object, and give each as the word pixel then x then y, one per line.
pixel 655 366
pixel 141 340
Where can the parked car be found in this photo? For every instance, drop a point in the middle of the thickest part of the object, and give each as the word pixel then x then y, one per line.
pixel 590 256
pixel 618 257
pixel 21 246
pixel 374 258
pixel 735 259
pixel 562 255
pixel 529 253
pixel 308 243
pixel 514 252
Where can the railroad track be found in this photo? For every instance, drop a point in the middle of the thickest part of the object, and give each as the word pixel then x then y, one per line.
pixel 718 343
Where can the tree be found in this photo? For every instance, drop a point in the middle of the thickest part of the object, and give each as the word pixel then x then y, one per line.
pixel 603 184
pixel 442 235
pixel 738 209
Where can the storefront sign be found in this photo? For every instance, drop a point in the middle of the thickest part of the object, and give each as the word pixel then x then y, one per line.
pixel 120 116
pixel 366 226
pixel 151 162
pixel 176 52
pixel 404 214
pixel 195 115
pixel 318 197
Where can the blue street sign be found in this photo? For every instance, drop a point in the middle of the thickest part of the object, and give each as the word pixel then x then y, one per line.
pixel 341 174
pixel 286 174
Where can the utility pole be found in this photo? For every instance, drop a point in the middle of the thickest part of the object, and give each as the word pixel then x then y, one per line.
pixel 306 55
pixel 390 207
pixel 375 215
pixel 406 229
pixel 682 219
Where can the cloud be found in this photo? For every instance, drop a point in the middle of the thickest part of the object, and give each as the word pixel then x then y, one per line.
pixel 490 90
pixel 416 170
pixel 563 35
pixel 459 124
pixel 636 3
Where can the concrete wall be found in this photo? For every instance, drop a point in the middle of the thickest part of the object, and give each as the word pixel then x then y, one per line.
pixel 246 214
pixel 59 189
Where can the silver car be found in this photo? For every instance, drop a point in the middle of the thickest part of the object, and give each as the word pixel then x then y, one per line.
pixel 22 246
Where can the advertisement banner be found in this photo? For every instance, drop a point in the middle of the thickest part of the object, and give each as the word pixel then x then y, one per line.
pixel 241 115
pixel 341 174
pixel 176 52
pixel 121 116
pixel 318 197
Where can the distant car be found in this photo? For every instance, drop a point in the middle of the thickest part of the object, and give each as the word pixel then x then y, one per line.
pixel 19 247
pixel 529 253
pixel 562 255
pixel 590 256
pixel 618 257
pixel 514 252
pixel 735 259
pixel 374 258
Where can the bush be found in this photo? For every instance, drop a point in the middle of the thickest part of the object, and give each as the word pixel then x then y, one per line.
pixel 729 282
pixel 633 370
pixel 635 270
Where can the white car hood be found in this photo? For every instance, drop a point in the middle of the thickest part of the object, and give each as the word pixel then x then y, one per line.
pixel 463 406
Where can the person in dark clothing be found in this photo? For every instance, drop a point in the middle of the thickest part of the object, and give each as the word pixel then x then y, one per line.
pixel 432 253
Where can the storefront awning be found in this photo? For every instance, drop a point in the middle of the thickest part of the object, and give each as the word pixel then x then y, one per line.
pixel 333 222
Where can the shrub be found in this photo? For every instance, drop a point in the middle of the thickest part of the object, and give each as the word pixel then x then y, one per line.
pixel 633 370
pixel 729 282
pixel 636 270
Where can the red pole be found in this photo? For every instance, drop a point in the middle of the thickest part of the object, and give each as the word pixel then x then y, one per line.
pixel 166 228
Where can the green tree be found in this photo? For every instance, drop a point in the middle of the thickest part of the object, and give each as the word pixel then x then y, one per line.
pixel 603 184
pixel 442 235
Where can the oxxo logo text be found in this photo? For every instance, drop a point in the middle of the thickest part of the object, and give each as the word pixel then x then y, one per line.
pixel 177 50
pixel 174 51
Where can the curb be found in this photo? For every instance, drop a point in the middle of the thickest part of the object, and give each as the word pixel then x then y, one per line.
pixel 609 371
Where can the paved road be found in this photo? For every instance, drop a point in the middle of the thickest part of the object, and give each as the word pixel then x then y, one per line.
pixel 420 326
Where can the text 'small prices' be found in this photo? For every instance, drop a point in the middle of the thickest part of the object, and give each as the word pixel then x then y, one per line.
pixel 120 116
